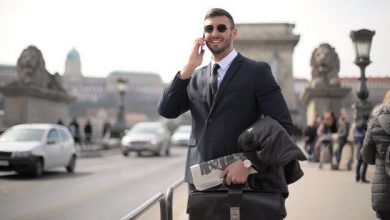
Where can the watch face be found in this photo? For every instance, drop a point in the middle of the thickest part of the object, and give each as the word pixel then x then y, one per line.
pixel 247 163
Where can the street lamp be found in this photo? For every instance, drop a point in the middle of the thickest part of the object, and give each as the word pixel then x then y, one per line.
pixel 121 123
pixel 362 40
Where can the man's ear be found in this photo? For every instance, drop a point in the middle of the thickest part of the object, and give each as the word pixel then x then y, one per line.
pixel 234 33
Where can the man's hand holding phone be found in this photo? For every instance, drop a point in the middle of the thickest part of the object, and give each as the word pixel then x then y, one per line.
pixel 195 59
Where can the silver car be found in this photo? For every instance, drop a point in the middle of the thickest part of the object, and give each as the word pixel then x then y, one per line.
pixel 34 148
pixel 151 137
pixel 181 136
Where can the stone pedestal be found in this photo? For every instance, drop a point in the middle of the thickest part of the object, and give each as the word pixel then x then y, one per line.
pixel 319 100
pixel 34 105
pixel 273 43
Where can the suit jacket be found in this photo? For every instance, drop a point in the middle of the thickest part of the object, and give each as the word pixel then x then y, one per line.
pixel 247 92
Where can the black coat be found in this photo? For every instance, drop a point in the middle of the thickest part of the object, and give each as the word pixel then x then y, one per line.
pixel 267 143
pixel 376 141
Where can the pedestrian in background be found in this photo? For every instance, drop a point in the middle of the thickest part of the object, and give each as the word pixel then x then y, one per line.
pixel 324 141
pixel 342 139
pixel 106 128
pixel 59 122
pixel 310 137
pixel 375 148
pixel 74 129
pixel 88 132
pixel 359 133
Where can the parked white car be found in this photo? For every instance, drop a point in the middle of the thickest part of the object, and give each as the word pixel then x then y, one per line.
pixel 151 137
pixel 181 136
pixel 34 148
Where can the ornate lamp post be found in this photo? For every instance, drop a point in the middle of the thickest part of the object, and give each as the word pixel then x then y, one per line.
pixel 362 40
pixel 121 123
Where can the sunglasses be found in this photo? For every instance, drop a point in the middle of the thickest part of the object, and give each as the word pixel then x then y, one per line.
pixel 209 28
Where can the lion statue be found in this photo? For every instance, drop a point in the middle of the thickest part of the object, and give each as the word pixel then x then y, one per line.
pixel 325 66
pixel 31 71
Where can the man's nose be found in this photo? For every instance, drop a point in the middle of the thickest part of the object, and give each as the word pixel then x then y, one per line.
pixel 215 31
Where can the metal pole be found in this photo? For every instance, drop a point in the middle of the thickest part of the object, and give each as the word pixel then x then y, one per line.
pixel 362 90
pixel 170 197
pixel 362 106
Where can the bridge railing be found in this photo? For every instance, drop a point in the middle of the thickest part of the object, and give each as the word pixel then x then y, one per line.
pixel 166 204
pixel 170 191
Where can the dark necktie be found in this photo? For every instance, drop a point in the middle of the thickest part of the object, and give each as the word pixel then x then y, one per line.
pixel 214 82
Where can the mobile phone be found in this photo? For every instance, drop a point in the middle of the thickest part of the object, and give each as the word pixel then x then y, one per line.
pixel 201 48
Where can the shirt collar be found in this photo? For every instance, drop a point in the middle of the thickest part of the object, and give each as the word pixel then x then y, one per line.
pixel 226 61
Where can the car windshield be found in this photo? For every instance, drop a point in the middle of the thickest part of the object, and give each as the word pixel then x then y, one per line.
pixel 22 134
pixel 145 128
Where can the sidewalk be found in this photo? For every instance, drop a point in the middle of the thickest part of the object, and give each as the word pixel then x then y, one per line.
pixel 327 194
pixel 319 195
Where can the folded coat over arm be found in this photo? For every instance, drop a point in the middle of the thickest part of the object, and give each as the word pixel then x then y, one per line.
pixel 273 153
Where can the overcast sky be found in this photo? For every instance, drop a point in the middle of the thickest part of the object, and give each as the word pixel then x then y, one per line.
pixel 157 36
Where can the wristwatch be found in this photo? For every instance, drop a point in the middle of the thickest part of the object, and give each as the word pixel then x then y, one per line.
pixel 247 163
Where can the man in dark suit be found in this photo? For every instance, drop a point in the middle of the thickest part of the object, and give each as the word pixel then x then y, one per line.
pixel 243 92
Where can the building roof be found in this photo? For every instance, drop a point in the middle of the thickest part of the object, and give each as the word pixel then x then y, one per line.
pixel 376 79
pixel 7 66
pixel 73 55
pixel 134 75
pixel 300 80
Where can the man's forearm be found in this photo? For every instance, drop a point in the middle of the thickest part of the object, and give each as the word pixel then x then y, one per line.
pixel 174 100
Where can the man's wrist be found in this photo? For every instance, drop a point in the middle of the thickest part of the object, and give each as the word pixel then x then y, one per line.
pixel 247 163
pixel 183 76
pixel 186 72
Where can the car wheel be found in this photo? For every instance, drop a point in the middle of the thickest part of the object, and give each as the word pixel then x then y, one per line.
pixel 71 165
pixel 38 168
pixel 22 173
pixel 125 153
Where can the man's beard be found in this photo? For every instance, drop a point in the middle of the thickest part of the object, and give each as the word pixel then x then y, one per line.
pixel 226 44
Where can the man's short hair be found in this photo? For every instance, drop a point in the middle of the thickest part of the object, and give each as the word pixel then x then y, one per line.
pixel 215 12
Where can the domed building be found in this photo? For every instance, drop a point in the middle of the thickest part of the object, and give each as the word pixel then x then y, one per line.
pixel 97 94
pixel 73 66
pixel 83 88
